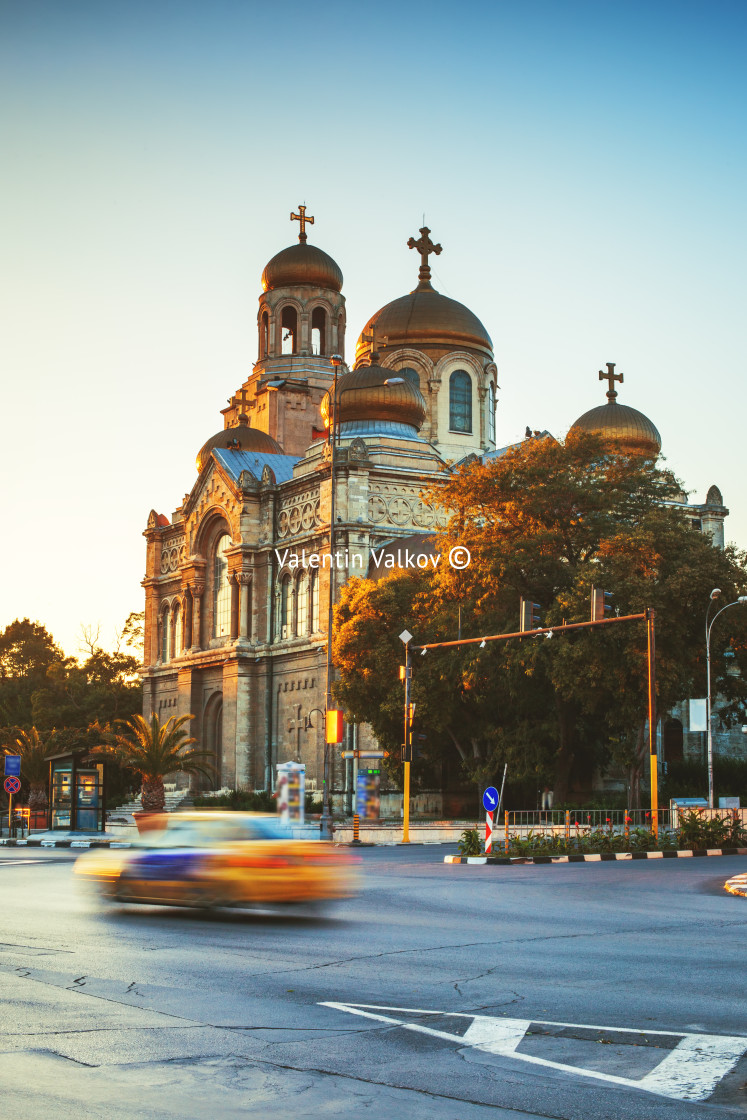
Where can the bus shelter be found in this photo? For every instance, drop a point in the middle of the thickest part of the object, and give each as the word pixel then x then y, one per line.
pixel 77 792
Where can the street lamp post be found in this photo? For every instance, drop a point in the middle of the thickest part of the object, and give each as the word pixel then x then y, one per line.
pixel 709 722
pixel 325 827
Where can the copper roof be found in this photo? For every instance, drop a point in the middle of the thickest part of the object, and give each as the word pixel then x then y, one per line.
pixel 240 437
pixel 363 395
pixel 302 264
pixel 626 425
pixel 424 317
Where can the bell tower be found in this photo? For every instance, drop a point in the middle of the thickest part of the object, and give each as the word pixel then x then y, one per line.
pixel 300 324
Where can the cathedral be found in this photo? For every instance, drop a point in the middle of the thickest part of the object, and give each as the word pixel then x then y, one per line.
pixel 239 579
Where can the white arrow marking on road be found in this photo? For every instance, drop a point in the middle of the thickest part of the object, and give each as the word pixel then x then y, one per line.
pixel 689 1072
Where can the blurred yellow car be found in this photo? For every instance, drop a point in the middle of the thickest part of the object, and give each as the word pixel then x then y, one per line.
pixel 210 859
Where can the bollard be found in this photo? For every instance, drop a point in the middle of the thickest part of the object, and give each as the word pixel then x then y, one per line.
pixel 356 828
pixel 488 832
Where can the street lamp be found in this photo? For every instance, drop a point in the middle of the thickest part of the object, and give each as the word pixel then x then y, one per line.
pixel 325 827
pixel 709 728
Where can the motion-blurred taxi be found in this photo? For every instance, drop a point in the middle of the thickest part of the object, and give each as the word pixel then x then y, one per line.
pixel 209 859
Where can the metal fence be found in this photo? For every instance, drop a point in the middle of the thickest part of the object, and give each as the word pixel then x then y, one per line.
pixel 571 823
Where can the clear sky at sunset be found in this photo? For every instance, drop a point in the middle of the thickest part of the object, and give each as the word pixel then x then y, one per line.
pixel 582 164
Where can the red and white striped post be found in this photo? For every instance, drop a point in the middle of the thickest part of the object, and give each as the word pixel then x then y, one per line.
pixel 488 832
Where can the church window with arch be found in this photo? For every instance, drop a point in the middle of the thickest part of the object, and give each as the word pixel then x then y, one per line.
pixel 314 600
pixel 410 375
pixel 166 635
pixel 176 631
pixel 286 607
pixel 302 605
pixel 264 335
pixel 289 331
pixel 460 401
pixel 318 331
pixel 221 589
pixel 491 412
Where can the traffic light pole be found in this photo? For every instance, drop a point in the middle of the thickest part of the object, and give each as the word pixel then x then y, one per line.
pixel 646 616
pixel 407 751
pixel 653 760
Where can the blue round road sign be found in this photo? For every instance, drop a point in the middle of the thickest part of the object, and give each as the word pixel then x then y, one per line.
pixel 12 785
pixel 490 799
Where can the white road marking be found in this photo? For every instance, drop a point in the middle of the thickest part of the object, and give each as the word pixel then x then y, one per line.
pixel 689 1072
pixel 15 862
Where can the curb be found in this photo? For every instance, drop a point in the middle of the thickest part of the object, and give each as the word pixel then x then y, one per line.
pixel 737 885
pixel 603 857
pixel 63 844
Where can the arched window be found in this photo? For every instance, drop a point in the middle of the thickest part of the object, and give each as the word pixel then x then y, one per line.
pixel 460 401
pixel 264 335
pixel 319 331
pixel 286 607
pixel 302 606
pixel 176 630
pixel 166 635
pixel 221 589
pixel 289 331
pixel 411 375
pixel 314 600
pixel 491 412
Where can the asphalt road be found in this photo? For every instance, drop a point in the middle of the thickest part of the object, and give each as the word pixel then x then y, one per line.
pixel 164 1013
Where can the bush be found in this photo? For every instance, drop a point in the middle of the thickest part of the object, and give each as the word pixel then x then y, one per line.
pixel 470 843
pixel 246 800
pixel 697 832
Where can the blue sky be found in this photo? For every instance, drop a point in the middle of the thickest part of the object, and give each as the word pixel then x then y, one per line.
pixel 583 165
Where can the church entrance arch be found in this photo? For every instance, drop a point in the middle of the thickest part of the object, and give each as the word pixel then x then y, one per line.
pixel 212 723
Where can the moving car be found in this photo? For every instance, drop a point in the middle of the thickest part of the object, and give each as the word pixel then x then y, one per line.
pixel 210 859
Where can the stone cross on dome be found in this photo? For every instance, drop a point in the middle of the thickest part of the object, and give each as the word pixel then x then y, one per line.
pixel 610 377
pixel 304 219
pixel 375 341
pixel 425 247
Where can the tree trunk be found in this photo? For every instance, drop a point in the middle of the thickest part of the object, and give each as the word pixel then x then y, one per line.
pixel 153 796
pixel 566 753
pixel 38 796
pixel 637 767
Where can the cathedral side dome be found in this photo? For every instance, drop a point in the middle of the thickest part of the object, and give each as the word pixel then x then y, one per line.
pixel 619 422
pixel 239 437
pixel 376 395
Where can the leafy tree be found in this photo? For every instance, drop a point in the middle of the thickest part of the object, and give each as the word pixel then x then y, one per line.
pixel 34 752
pixel 154 751
pixel 27 653
pixel 545 521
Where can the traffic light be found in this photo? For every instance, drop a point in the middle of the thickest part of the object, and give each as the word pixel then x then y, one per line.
pixel 529 616
pixel 334 726
pixel 601 607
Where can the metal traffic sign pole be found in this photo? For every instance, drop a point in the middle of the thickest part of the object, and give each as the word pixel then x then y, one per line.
pixel 406 637
pixel 490 802
pixel 12 785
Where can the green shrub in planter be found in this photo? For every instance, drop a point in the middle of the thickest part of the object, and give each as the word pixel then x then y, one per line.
pixel 470 843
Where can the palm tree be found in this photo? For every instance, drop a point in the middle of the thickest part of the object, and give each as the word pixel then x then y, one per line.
pixel 34 765
pixel 153 751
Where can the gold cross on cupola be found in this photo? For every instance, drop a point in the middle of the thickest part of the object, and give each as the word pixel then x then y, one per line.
pixel 305 219
pixel 425 247
pixel 610 377
pixel 375 341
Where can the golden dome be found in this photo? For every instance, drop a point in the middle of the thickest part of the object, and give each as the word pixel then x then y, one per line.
pixel 302 264
pixel 619 422
pixel 239 437
pixel 423 318
pixel 363 396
